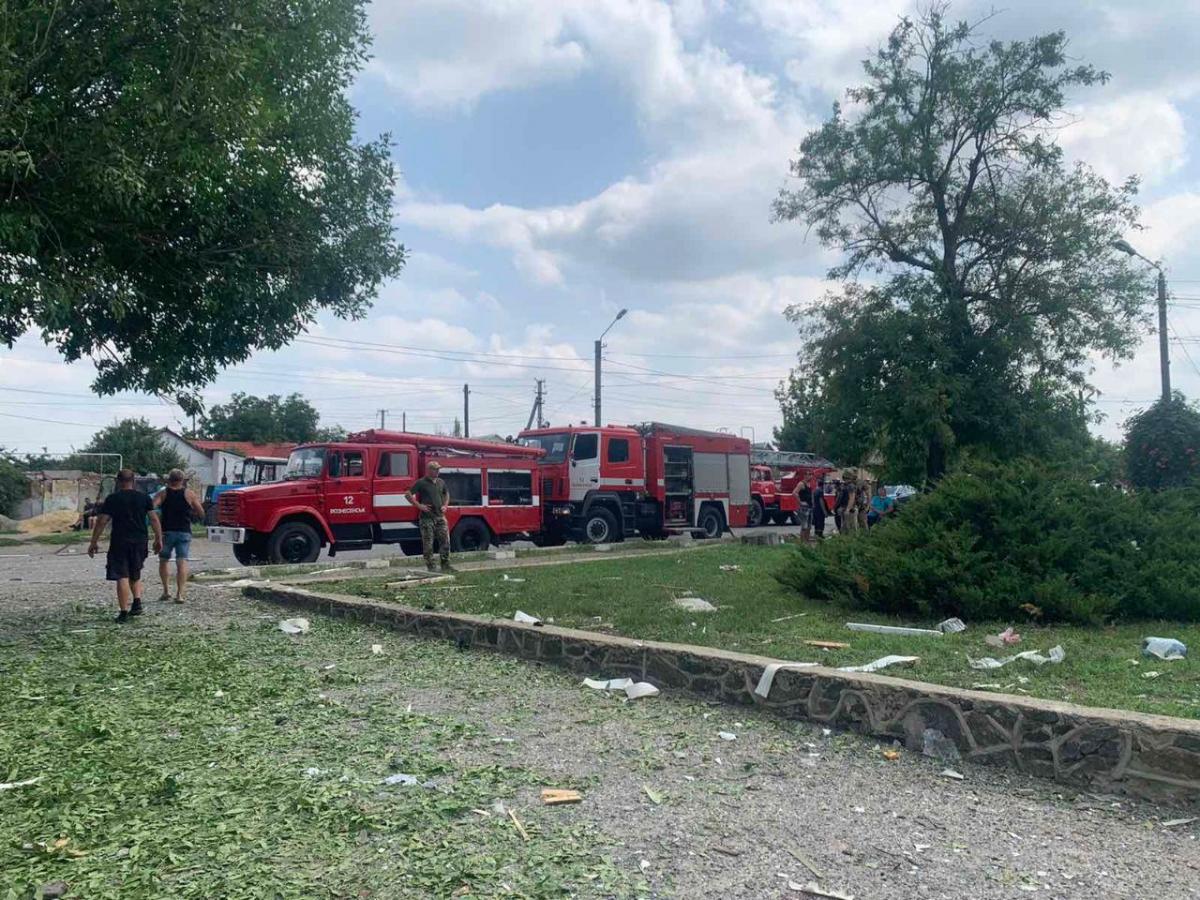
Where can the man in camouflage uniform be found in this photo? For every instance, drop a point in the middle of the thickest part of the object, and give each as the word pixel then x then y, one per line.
pixel 430 496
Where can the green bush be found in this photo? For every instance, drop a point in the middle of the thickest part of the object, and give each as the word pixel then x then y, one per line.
pixel 13 487
pixel 1162 444
pixel 1006 542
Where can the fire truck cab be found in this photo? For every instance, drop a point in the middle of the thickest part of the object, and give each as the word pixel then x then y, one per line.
pixel 769 502
pixel 604 484
pixel 351 495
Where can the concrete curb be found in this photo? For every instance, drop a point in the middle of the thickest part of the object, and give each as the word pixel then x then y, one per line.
pixel 1112 751
pixel 235 573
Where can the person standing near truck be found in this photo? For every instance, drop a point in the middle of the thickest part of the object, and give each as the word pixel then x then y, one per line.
pixel 128 509
pixel 176 504
pixel 431 497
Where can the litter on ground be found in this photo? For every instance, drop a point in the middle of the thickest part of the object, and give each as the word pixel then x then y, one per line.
pixel 294 626
pixel 526 619
pixel 950 773
pixel 694 604
pixel 727 735
pixel 376 649
pixel 789 618
pixel 1056 655
pixel 828 645
pixel 556 797
pixel 892 629
pixel 952 626
pixel 1164 648
pixel 633 690
pixel 891 755
pixel 882 663
pixel 11 785
pixel 768 676
pixel 507 577
pixel 655 797
pixel 731 568
pixel 815 890
pixel 1175 823
pixel 401 778
pixel 1003 639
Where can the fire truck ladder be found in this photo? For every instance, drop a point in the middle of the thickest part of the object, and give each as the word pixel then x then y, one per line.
pixel 787 459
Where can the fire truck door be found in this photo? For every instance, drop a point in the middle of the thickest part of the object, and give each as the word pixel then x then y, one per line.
pixel 585 464
pixel 348 495
pixel 395 472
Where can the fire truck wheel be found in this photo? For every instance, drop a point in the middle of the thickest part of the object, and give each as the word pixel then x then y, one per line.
pixel 294 542
pixel 600 527
pixel 244 554
pixel 469 535
pixel 710 522
pixel 757 513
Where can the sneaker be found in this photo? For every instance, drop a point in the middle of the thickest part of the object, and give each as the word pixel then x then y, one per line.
pixel 164 598
pixel 122 617
pixel 136 609
pixel 178 599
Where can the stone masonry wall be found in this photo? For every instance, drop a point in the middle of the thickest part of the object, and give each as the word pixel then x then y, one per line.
pixel 1153 757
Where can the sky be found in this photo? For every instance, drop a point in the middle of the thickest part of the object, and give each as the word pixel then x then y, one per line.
pixel 561 160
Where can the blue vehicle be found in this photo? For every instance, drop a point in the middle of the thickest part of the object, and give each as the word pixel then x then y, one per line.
pixel 255 470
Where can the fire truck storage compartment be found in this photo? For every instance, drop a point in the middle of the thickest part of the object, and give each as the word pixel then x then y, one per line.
pixel 510 487
pixel 679 484
pixel 739 479
pixel 465 487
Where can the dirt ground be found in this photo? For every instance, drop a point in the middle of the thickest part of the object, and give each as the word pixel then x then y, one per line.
pixel 683 811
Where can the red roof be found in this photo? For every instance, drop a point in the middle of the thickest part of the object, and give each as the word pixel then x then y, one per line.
pixel 245 448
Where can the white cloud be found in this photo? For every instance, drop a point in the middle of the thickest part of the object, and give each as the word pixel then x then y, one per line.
pixel 1131 134
pixel 1172 229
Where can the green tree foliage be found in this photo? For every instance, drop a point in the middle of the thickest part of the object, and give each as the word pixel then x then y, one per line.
pixel 138 443
pixel 1007 542
pixel 330 433
pixel 993 278
pixel 1162 444
pixel 262 420
pixel 180 183
pixel 13 486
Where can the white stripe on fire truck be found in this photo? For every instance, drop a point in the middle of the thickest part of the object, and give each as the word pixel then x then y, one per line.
pixel 622 482
pixel 385 500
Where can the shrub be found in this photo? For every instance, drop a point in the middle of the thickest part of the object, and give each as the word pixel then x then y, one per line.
pixel 13 487
pixel 1014 540
pixel 1162 444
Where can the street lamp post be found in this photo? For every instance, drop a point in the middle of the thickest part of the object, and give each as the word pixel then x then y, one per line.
pixel 1164 358
pixel 599 348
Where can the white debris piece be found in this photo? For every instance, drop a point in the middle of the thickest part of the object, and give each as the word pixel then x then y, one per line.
pixel 694 604
pixel 526 619
pixel 612 684
pixel 294 626
pixel 727 735
pixel 950 773
pixel 731 568
pixel 376 649
pixel 401 778
pixel 882 663
pixel 1056 655
pixel 768 676
pixel 507 577
pixel 640 689
pixel 892 629
pixel 11 785
pixel 952 626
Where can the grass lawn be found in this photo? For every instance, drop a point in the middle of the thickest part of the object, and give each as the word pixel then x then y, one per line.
pixel 240 763
pixel 1103 666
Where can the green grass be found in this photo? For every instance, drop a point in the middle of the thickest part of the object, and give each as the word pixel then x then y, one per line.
pixel 63 538
pixel 11 542
pixel 634 596
pixel 174 765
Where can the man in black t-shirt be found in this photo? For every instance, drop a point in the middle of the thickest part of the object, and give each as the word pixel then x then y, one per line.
pixel 129 511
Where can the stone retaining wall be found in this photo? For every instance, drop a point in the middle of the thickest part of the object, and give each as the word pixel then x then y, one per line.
pixel 1152 757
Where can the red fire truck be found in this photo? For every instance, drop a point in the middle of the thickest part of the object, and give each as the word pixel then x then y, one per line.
pixel 350 495
pixel 778 473
pixel 769 502
pixel 603 484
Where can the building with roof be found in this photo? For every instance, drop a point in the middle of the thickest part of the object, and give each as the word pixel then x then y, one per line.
pixel 216 461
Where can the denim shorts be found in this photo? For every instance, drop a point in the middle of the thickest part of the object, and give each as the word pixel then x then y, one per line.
pixel 179 541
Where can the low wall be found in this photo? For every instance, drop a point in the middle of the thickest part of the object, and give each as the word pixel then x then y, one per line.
pixel 1152 757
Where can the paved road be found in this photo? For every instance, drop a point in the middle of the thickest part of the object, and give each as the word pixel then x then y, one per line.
pixel 735 811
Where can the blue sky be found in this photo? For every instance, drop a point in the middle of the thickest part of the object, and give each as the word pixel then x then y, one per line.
pixel 563 159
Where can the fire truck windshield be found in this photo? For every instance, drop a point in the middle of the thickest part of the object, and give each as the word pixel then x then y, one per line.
pixel 305 463
pixel 555 445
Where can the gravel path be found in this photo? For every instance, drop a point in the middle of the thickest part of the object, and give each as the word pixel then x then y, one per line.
pixel 735 817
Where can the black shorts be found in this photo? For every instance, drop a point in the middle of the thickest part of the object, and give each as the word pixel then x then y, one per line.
pixel 125 560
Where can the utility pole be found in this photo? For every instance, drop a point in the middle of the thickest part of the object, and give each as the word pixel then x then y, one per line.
pixel 404 421
pixel 382 419
pixel 535 411
pixel 466 410
pixel 1164 356
pixel 541 400
pixel 599 348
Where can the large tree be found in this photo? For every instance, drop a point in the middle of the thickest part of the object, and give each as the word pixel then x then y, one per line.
pixel 180 183
pixel 262 419
pixel 1162 444
pixel 979 273
pixel 140 447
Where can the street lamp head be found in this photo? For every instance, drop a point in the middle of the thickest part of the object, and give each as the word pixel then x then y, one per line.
pixel 1125 247
pixel 621 314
